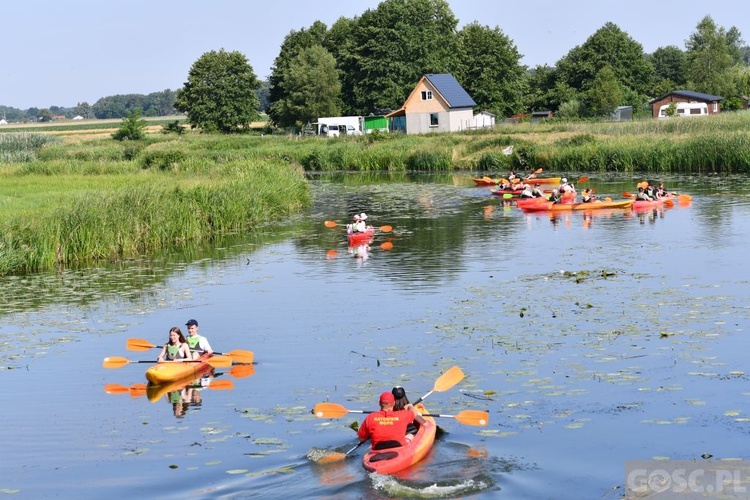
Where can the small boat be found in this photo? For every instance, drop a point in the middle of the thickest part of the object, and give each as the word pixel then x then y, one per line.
pixel 514 193
pixel 360 238
pixel 563 207
pixel 154 392
pixel 390 460
pixel 162 373
pixel 651 204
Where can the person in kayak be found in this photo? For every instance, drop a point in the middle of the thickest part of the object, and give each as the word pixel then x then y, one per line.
pixel 527 192
pixel 641 195
pixel 198 344
pixel 402 403
pixel 587 196
pixel 537 191
pixel 555 197
pixel 176 348
pixel 387 428
pixel 351 227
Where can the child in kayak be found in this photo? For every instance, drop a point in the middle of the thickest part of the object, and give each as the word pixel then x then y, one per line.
pixel 176 348
pixel 387 428
pixel 402 403
pixel 198 344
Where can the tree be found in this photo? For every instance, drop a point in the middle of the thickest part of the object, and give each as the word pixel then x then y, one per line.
pixel 490 71
pixel 311 87
pixel 133 127
pixel 605 93
pixel 294 43
pixel 609 46
pixel 397 43
pixel 83 109
pixel 45 115
pixel 220 93
pixel 711 52
pixel 670 63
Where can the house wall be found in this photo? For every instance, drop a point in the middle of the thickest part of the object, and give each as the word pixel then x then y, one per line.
pixel 674 98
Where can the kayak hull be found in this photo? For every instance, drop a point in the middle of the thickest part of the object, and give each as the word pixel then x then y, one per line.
pixel 360 238
pixel 489 181
pixel 393 460
pixel 154 392
pixel 545 206
pixel 162 373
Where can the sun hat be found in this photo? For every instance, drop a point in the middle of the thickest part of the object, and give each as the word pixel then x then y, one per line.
pixel 363 216
pixel 356 216
pixel 387 398
pixel 564 180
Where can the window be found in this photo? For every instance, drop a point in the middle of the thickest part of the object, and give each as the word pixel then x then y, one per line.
pixel 427 95
pixel 433 119
pixel 715 107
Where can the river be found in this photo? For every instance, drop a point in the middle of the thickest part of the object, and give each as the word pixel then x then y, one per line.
pixel 590 340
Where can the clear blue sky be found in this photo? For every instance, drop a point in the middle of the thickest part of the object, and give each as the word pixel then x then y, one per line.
pixel 61 52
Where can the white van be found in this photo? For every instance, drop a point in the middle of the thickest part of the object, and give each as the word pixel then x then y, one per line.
pixel 328 130
pixel 685 109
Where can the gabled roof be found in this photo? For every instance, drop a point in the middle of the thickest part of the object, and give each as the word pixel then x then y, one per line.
pixel 452 91
pixel 689 94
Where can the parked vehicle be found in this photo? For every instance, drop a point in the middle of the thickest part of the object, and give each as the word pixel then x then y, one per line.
pixel 685 109
pixel 335 126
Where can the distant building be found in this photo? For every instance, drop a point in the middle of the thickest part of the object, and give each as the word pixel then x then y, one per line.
pixel 538 116
pixel 623 113
pixel 711 102
pixel 3 121
pixel 438 103
pixel 483 119
pixel 78 117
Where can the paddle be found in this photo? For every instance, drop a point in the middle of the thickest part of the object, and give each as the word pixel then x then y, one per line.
pixel 238 355
pixel 468 417
pixel 119 362
pixel 384 229
pixel 582 179
pixel 536 172
pixel 625 194
pixel 443 383
pixel 140 389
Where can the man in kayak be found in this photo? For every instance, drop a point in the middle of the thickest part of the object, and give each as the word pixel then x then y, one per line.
pixel 198 344
pixel 641 195
pixel 387 428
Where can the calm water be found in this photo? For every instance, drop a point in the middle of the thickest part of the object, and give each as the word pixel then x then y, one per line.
pixel 591 341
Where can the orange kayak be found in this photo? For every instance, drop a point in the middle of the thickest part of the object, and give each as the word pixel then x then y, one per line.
pixel 392 460
pixel 489 181
pixel 546 206
pixel 161 373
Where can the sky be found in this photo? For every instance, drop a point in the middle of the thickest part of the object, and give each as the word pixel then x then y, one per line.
pixel 62 52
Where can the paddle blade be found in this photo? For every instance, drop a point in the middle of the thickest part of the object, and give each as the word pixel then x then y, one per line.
pixel 137 390
pixel 582 179
pixel 115 389
pixel 219 361
pixel 669 202
pixel 474 417
pixel 386 229
pixel 329 410
pixel 332 457
pixel 139 345
pixel 508 196
pixel 448 379
pixel 386 246
pixel 625 194
pixel 242 371
pixel 331 254
pixel 684 199
pixel 220 385
pixel 330 223
pixel 538 171
pixel 115 362
pixel 240 356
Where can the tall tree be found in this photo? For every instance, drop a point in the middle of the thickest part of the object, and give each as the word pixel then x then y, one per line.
pixel 711 52
pixel 294 43
pixel 605 93
pixel 397 43
pixel 490 70
pixel 608 46
pixel 311 88
pixel 220 93
pixel 670 63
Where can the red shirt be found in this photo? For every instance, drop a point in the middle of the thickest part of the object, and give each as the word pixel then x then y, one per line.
pixel 386 425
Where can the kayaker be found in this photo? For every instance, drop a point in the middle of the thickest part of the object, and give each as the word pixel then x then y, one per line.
pixel 350 228
pixel 362 226
pixel 555 197
pixel 537 191
pixel 511 176
pixel 387 428
pixel 197 342
pixel 176 348
pixel 651 190
pixel 402 403
pixel 527 192
pixel 641 195
pixel 586 196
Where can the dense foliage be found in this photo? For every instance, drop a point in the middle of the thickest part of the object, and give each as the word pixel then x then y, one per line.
pixel 220 93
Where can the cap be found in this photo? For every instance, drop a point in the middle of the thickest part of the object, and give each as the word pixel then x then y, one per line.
pixel 387 398
pixel 363 216
pixel 398 392
pixel 191 323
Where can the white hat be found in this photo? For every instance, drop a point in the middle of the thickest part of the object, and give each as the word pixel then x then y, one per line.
pixel 356 216
pixel 564 180
pixel 363 216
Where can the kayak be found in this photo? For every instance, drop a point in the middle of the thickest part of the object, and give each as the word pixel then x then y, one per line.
pixel 489 181
pixel 514 193
pixel 648 205
pixel 162 373
pixel 542 206
pixel 154 392
pixel 392 460
pixel 360 238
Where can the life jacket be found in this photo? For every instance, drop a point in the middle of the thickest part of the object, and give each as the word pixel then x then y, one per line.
pixel 193 341
pixel 173 351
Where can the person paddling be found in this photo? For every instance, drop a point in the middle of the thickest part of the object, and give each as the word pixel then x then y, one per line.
pixel 387 428
pixel 176 348
pixel 197 342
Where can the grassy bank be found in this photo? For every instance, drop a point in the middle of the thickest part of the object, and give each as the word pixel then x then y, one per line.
pixel 102 199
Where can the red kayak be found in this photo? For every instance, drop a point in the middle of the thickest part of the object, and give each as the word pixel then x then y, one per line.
pixel 392 460
pixel 360 238
pixel 514 193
